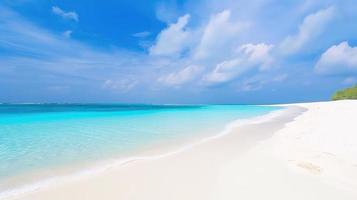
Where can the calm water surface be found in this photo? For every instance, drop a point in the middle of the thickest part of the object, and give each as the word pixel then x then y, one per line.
pixel 41 136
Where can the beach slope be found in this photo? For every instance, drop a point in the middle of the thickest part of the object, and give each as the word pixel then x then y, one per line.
pixel 308 151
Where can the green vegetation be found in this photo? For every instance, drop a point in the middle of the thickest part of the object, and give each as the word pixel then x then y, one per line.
pixel 348 93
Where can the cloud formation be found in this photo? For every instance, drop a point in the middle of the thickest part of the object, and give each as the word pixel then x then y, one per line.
pixel 312 26
pixel 339 59
pixel 71 15
pixel 206 47
pixel 182 76
pixel 218 35
pixel 172 40
pixel 248 57
pixel 213 43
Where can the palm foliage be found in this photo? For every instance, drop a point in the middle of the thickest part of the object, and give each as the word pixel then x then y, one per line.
pixel 348 93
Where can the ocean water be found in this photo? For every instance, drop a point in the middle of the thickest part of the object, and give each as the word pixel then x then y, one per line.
pixel 35 137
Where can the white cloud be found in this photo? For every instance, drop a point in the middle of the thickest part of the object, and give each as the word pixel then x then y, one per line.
pixel 214 42
pixel 141 34
pixel 258 54
pixel 218 35
pixel 338 59
pixel 248 57
pixel 172 40
pixel 71 15
pixel 226 70
pixel 312 26
pixel 182 76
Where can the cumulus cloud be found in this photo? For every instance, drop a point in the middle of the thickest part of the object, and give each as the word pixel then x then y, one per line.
pixel 338 60
pixel 172 40
pixel 218 35
pixel 206 45
pixel 182 76
pixel 71 15
pixel 249 57
pixel 311 27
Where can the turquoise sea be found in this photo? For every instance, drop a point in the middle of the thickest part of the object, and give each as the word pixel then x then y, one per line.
pixel 35 137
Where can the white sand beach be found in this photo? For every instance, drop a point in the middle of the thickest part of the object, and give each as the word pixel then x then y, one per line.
pixel 308 151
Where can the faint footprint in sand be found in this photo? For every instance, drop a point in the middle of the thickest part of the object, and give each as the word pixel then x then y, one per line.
pixel 315 169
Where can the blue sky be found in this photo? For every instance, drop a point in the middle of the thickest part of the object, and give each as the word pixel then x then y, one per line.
pixel 204 51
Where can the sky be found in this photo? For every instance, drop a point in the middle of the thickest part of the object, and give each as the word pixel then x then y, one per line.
pixel 176 52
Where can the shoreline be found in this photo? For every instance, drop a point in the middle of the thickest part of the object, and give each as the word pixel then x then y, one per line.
pixel 305 151
pixel 155 153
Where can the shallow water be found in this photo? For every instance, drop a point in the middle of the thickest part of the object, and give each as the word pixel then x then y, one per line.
pixel 43 136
